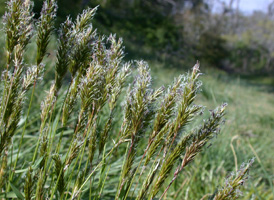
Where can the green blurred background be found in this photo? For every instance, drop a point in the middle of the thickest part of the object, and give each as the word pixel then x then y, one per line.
pixel 179 32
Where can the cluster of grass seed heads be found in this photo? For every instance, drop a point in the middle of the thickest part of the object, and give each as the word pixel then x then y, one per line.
pixel 83 130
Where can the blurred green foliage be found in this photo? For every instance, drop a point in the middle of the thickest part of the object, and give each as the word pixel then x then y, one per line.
pixel 249 57
pixel 212 49
pixel 65 8
pixel 179 32
pixel 142 24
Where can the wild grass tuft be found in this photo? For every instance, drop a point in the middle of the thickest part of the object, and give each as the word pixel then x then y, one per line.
pixel 92 123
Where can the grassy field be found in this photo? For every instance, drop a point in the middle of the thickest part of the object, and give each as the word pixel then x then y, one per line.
pixel 94 128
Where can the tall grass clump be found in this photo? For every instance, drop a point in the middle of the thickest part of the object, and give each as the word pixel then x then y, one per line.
pixel 92 139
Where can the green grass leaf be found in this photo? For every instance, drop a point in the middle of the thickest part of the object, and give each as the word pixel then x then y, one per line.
pixel 18 194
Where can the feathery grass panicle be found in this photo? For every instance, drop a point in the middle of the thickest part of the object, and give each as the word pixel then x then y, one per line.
pixel 43 148
pixel 233 183
pixel 63 51
pixel 29 183
pixel 141 99
pixel 186 111
pixel 18 25
pixel 84 20
pixel 70 100
pixel 59 169
pixel 76 147
pixel 45 27
pixel 11 21
pixel 47 104
pixel 82 50
pixel 33 74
